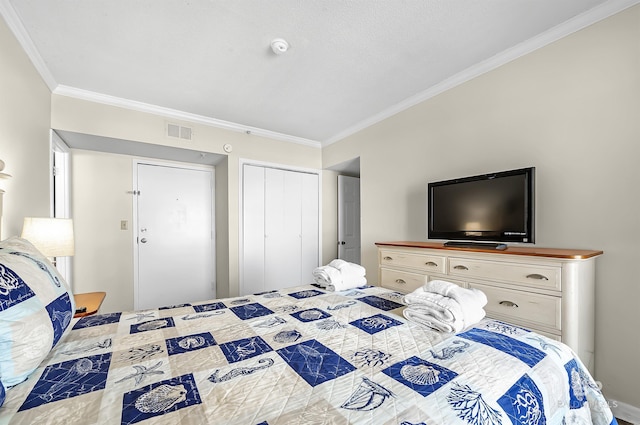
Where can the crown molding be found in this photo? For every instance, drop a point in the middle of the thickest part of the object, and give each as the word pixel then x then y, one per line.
pixel 20 32
pixel 178 115
pixel 569 27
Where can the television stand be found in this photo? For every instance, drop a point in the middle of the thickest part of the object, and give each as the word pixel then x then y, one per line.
pixel 479 245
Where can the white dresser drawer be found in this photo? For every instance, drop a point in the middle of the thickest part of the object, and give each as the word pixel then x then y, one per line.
pixel 430 263
pixel 521 306
pixel 547 277
pixel 401 281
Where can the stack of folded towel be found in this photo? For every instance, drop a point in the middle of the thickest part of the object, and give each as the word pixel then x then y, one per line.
pixel 445 306
pixel 340 275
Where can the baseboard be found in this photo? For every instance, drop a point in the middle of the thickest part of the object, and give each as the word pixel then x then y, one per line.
pixel 625 411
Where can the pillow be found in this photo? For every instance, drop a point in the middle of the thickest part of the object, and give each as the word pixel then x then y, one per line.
pixel 36 308
pixel 2 394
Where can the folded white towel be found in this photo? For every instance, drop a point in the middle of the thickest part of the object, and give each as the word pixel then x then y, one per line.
pixel 347 284
pixel 325 275
pixel 468 298
pixel 354 268
pixel 436 318
pixel 340 275
pixel 424 318
pixel 436 307
pixel 445 306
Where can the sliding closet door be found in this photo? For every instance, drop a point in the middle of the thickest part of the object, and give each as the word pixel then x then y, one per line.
pixel 310 227
pixel 253 234
pixel 282 238
pixel 280 228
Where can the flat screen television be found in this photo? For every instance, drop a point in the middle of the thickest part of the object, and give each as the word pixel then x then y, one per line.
pixel 497 208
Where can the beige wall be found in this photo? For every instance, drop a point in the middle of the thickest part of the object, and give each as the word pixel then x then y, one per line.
pixel 104 253
pixel 24 135
pixel 571 109
pixel 114 172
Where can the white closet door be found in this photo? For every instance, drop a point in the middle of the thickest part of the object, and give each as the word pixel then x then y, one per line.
pixel 253 240
pixel 283 220
pixel 310 227
pixel 280 228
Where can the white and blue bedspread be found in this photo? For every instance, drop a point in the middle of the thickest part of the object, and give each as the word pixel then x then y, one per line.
pixel 302 356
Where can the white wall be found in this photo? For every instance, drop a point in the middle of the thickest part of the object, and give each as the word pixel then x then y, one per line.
pixel 24 135
pixel 572 110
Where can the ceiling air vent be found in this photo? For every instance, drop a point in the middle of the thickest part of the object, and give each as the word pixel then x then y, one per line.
pixel 179 132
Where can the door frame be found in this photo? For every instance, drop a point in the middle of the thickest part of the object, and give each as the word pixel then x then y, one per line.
pixel 241 163
pixel 60 193
pixel 134 224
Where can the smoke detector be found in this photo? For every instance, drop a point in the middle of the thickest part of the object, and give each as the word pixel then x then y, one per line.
pixel 279 46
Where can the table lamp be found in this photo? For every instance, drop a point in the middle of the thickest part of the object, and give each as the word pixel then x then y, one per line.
pixel 53 237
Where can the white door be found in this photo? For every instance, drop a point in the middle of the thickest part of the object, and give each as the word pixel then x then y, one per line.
pixel 253 233
pixel 282 233
pixel 309 227
pixel 175 260
pixel 349 219
pixel 280 228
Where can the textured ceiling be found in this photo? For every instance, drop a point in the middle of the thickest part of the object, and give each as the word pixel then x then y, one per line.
pixel 350 63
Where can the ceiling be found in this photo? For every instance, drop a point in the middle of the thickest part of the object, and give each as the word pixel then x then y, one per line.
pixel 350 63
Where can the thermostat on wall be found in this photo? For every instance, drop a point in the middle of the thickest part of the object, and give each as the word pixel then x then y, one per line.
pixel 227 148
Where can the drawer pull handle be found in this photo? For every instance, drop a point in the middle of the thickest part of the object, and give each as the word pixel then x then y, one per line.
pixel 509 304
pixel 537 276
pixel 460 267
pixel 387 258
pixel 400 281
pixel 431 264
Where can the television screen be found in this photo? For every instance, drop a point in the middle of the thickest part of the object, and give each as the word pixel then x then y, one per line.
pixel 497 207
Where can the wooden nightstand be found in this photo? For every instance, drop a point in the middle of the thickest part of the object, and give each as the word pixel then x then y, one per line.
pixel 91 300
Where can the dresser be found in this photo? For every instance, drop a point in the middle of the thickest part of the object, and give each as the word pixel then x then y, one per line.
pixel 549 291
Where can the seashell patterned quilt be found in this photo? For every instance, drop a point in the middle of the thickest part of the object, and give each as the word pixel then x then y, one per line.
pixel 302 356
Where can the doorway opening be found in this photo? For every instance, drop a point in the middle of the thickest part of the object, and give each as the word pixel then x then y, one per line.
pixel 61 193
pixel 348 210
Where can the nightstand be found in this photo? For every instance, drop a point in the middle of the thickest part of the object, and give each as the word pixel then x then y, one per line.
pixel 90 300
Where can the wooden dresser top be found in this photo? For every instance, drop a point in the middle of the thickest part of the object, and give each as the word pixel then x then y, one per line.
pixel 576 254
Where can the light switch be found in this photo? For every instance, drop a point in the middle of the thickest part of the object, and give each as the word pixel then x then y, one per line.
pixel 124 225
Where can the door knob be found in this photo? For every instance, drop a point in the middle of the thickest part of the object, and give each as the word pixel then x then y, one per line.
pixel 143 240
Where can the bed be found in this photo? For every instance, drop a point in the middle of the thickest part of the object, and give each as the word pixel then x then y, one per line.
pixel 293 356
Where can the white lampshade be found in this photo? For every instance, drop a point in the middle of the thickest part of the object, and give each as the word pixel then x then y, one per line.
pixel 51 236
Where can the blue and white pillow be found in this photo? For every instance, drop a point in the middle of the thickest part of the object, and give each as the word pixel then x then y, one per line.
pixel 36 308
pixel 2 393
